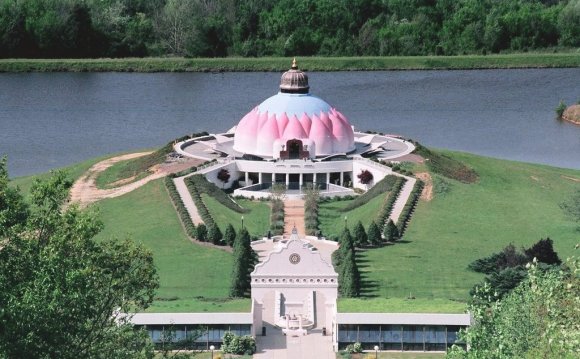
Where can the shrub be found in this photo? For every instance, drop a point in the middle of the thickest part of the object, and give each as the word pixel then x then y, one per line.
pixel 389 202
pixel 561 108
pixel 204 186
pixel 277 217
pixel 409 207
pixel 202 232
pixel 182 212
pixel 240 345
pixel 365 177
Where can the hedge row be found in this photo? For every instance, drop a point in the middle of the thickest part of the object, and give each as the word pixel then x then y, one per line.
pixel 387 207
pixel 214 233
pixel 384 185
pixel 189 170
pixel 204 186
pixel 180 207
pixel 311 212
pixel 277 217
pixel 409 207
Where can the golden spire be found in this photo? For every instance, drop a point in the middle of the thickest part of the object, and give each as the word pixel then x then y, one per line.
pixel 294 66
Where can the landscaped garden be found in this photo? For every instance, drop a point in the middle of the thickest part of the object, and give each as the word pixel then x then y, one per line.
pixel 509 203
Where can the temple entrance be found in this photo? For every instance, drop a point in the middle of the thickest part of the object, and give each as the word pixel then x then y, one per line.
pixel 294 147
pixel 294 150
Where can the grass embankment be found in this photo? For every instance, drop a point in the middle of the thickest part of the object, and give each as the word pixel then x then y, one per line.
pixel 523 60
pixel 399 305
pixel 193 278
pixel 331 216
pixel 132 170
pixel 510 203
pixel 256 220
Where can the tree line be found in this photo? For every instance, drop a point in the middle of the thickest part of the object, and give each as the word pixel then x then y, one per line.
pixel 217 28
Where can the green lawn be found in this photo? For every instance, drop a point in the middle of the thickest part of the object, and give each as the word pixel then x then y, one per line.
pixel 74 171
pixel 171 64
pixel 193 277
pixel 399 305
pixel 115 173
pixel 511 203
pixel 256 221
pixel 332 221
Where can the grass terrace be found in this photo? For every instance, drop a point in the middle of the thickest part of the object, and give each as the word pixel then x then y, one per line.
pixel 359 63
pixel 510 202
pixel 256 221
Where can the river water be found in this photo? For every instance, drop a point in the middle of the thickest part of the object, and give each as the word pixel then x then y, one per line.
pixel 50 120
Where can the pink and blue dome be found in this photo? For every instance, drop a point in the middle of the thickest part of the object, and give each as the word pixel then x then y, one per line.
pixel 291 114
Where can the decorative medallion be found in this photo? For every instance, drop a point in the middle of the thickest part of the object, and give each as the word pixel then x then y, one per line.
pixel 294 258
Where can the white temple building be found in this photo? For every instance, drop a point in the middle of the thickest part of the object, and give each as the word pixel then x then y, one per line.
pixel 296 139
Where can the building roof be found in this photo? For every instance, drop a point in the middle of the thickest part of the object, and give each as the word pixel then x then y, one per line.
pixel 191 318
pixel 294 115
pixel 403 318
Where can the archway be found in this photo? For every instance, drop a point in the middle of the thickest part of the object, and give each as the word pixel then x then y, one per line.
pixel 294 149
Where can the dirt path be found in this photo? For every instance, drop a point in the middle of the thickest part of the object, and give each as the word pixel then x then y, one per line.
pixel 427 193
pixel 84 191
pixel 294 216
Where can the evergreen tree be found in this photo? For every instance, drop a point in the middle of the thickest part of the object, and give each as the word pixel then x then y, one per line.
pixel 360 236
pixel 201 232
pixel 244 260
pixel 345 245
pixel 374 234
pixel 391 233
pixel 544 252
pixel 230 235
pixel 349 276
pixel 214 234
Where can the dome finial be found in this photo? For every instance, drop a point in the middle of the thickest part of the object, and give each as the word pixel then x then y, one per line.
pixel 294 80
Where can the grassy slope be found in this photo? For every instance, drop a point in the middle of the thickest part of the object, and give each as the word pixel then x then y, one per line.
pixel 257 221
pixel 194 274
pixel 512 202
pixel 523 60
pixel 332 221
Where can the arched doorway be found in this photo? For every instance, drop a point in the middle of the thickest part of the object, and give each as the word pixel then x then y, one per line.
pixel 294 149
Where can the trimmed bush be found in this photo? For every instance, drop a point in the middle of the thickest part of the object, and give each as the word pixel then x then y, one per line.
pixel 204 186
pixel 190 229
pixel 277 217
pixel 409 207
pixel 387 207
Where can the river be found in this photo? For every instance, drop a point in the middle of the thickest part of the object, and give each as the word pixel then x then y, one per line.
pixel 50 120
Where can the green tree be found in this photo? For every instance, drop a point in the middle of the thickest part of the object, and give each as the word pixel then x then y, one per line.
pixel 539 319
pixel 391 232
pixel 201 232
pixel 244 261
pixel 360 236
pixel 349 276
pixel 230 235
pixel 62 294
pixel 374 234
pixel 214 234
pixel 13 210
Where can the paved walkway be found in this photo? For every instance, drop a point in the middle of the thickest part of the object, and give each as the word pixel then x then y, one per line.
pixel 275 345
pixel 402 199
pixel 294 216
pixel 187 200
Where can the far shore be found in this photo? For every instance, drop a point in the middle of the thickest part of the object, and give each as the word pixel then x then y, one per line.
pixel 277 64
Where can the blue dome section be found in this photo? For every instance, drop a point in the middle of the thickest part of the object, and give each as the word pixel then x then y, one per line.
pixel 294 104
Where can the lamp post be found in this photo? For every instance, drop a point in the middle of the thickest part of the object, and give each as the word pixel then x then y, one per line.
pixel 212 348
pixel 242 222
pixel 376 351
pixel 345 224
